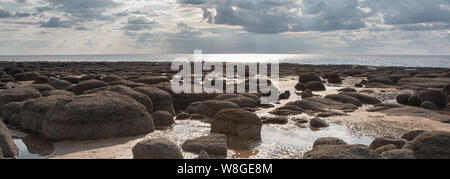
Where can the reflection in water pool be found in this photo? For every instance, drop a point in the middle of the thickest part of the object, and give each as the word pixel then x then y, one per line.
pixel 30 146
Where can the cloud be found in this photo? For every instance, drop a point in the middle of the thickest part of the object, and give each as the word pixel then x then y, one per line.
pixel 277 16
pixel 55 22
pixel 139 23
pixel 84 9
pixel 4 13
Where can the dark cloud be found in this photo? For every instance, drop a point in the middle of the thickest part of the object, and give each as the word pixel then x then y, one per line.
pixel 139 23
pixel 84 9
pixel 276 16
pixel 81 28
pixel 4 14
pixel 56 22
pixel 396 12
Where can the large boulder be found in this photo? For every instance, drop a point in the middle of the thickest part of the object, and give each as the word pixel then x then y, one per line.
pixel 431 145
pixel 237 122
pixel 365 99
pixel 17 95
pixel 383 80
pixel 162 100
pixel 315 86
pixel 411 135
pixel 215 144
pixel 30 76
pixel 385 148
pixel 183 100
pixel 329 141
pixel 341 152
pixel 306 77
pixel 243 102
pixel 41 87
pixel 210 108
pixel 150 80
pixel 399 154
pixel 403 98
pixel 344 99
pixel 98 115
pixel 111 78
pixel 163 118
pixel 138 96
pixel 8 148
pixel 56 92
pixel 34 111
pixel 318 123
pixel 334 78
pixel 41 80
pixel 157 148
pixel 11 112
pixel 434 96
pixel 87 85
pixel 382 141
pixel 60 84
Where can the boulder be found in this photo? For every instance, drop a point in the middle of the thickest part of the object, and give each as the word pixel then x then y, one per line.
pixel 341 152
pixel 87 85
pixel 411 135
pixel 150 80
pixel 99 115
pixel 8 148
pixel 315 86
pixel 318 123
pixel 130 84
pixel 403 98
pixel 344 99
pixel 351 90
pixel 60 84
pixel 431 145
pixel 429 105
pixel 162 100
pixel 210 108
pixel 399 154
pixel 56 92
pixel 237 122
pixel 275 120
pixel 382 141
pixel 17 95
pixel 41 87
pixel 386 148
pixel 41 80
pixel 307 93
pixel 446 89
pixel 328 141
pixel 183 116
pixel 215 144
pixel 284 95
pixel 15 70
pixel 111 78
pixel 287 110
pixel 300 86
pixel 163 119
pixel 243 102
pixel 383 80
pixel 157 148
pixel 334 78
pixel 365 99
pixel 11 112
pixel 30 76
pixel 433 96
pixel 71 79
pixel 305 78
pixel 138 96
pixel 183 100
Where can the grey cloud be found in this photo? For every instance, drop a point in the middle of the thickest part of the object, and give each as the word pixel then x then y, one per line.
pixel 81 28
pixel 139 23
pixel 56 22
pixel 84 9
pixel 4 14
pixel 276 16
pixel 397 12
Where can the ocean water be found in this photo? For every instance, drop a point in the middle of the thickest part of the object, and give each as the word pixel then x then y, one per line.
pixel 314 59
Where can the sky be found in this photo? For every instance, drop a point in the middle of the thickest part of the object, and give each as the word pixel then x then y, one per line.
pixel 409 27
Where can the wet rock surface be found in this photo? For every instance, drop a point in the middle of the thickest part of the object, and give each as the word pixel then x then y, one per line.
pixel 157 148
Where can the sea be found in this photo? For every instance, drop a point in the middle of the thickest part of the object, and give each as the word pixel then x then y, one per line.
pixel 441 61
